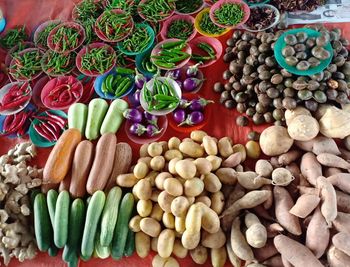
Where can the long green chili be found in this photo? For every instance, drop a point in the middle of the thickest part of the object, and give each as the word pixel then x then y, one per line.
pixel 98 60
pixel 13 37
pixel 44 33
pixel 156 10
pixel 66 38
pixel 26 64
pixel 208 26
pixel 186 6
pixel 57 64
pixel 114 25
pixel 138 40
pixel 229 14
pixel 180 29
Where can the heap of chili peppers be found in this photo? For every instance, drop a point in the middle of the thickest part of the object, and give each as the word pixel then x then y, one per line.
pixel 156 10
pixel 163 96
pixel 98 60
pixel 13 37
pixel 207 25
pixel 124 60
pixel 119 84
pixel 26 64
pixel 186 7
pixel 229 14
pixel 170 54
pixel 17 124
pixel 63 92
pixel 208 50
pixel 114 25
pixel 180 29
pixel 50 126
pixel 129 6
pixel 18 95
pixel 138 40
pixel 66 37
pixel 55 64
pixel 17 49
pixel 41 39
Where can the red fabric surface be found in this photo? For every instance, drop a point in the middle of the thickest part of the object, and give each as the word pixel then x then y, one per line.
pixel 222 122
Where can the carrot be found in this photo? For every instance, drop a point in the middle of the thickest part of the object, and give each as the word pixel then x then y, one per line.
pixel 341 180
pixel 342 242
pixel 342 222
pixel 283 203
pixel 330 160
pixel 324 144
pixel 310 168
pixel 294 252
pixel 329 199
pixel 317 234
pixel 305 205
pixel 336 258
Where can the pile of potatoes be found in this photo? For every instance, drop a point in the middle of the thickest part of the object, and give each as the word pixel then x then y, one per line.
pixel 178 187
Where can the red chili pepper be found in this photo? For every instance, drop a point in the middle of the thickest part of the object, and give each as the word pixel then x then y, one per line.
pixel 16 103
pixel 58 129
pixel 8 98
pixel 8 122
pixel 43 133
pixel 51 130
pixel 16 124
pixel 58 119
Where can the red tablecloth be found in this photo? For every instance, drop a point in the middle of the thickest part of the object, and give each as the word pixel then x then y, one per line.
pixel 222 123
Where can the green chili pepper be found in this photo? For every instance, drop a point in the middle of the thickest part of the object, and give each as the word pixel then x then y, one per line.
pixel 208 26
pixel 98 60
pixel 186 6
pixel 207 48
pixel 114 25
pixel 164 64
pixel 155 10
pixel 13 37
pixel 138 40
pixel 180 29
pixel 123 87
pixel 125 71
pixel 229 14
pixel 66 38
pixel 57 64
pixel 161 97
pixel 42 35
pixel 26 65
pixel 170 45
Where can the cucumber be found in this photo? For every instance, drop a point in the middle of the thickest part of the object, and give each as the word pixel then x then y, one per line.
pixel 109 216
pixel 75 232
pixel 51 198
pixel 42 225
pixel 93 215
pixel 77 114
pixel 114 116
pixel 102 252
pixel 60 227
pixel 96 113
pixel 122 227
pixel 53 251
pixel 85 258
pixel 33 195
pixel 74 262
pixel 130 244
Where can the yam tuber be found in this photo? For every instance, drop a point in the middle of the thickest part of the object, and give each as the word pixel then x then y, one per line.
pixel 310 168
pixel 337 258
pixel 305 205
pixel 251 180
pixel 341 180
pixel 324 144
pixel 256 234
pixel 235 261
pixel 330 160
pixel 342 222
pixel 275 141
pixel 238 243
pixel 329 199
pixel 342 242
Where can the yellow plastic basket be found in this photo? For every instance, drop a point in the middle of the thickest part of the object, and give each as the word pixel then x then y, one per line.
pixel 200 30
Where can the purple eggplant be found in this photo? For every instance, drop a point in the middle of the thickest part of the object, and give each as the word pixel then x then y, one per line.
pixel 152 130
pixel 174 74
pixel 179 83
pixel 150 118
pixel 140 79
pixel 135 98
pixel 137 129
pixel 133 115
pixel 199 104
pixel 191 84
pixel 192 71
pixel 179 115
pixel 193 118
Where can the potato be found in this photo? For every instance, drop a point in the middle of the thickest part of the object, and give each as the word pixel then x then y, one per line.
pixel 215 162
pixel 166 242
pixel 225 147
pixel 164 145
pixel 193 218
pixel 172 164
pixel 155 194
pixel 303 128
pixel 142 244
pixel 192 149
pixel 240 148
pixel 157 163
pixel 212 183
pixel 203 199
pixel 233 160
pixel 179 206
pixel 179 250
pixel 186 169
pixel 215 240
pixel 159 181
pixel 154 244
pixel 180 226
pixel 144 207
pixel 157 212
pixel 143 189
pixel 218 256
pixel 210 146
pixel 173 187
pixel 203 165
pixel 155 149
pixel 126 180
pixel 172 154
pixel 145 160
pixel 227 176
pixel 193 187
pixel 253 149
pixel 217 202
pixel 199 255
pixel 140 170
pixel 168 220
pixel 190 240
pixel 150 227
pixel 263 168
pixel 198 136
pixel 144 151
pixel 275 141
pixel 151 177
pixel 158 261
pixel 134 223
pixel 174 143
pixel 291 114
pixel 164 200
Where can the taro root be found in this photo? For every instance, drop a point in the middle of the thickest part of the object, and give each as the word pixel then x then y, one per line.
pixel 303 65
pixel 292 61
pixel 290 39
pixel 288 51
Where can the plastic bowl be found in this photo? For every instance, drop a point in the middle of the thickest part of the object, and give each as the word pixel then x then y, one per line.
pixel 218 4
pixel 167 23
pixel 42 27
pixel 12 66
pixel 100 79
pixel 4 90
pixel 103 36
pixel 256 3
pixel 75 15
pixel 139 58
pixel 187 129
pixel 15 49
pixel 68 24
pixel 180 64
pixel 215 43
pixel 37 88
pixel 151 34
pixel 162 124
pixel 44 62
pixel 139 11
pixel 273 24
pixel 52 83
pixel 149 85
pixel 197 21
pixel 78 60
pixel 2 24
pixel 280 44
pixel 193 12
pixel 36 138
pixel 200 76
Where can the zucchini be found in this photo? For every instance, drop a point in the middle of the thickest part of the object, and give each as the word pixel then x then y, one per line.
pixel 74 262
pixel 77 114
pixel 97 110
pixel 60 232
pixel 102 252
pixel 110 215
pixel 75 232
pixel 53 251
pixel 42 225
pixel 122 227
pixel 114 117
pixel 93 215
pixel 130 244
pixel 51 198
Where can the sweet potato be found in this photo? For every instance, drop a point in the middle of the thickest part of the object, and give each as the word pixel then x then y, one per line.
pixel 274 261
pixel 341 180
pixel 286 263
pixel 233 160
pixel 342 222
pixel 268 251
pixel 343 201
pixel 235 261
pixel 330 160
pixel 331 171
pixel 251 180
pixel 256 234
pixel 237 192
pixel 283 203
pixel 324 144
pixel 227 176
pixel 296 253
pixel 289 157
pixel 263 168
pixel 310 168
pixel 261 212
pixel 309 190
pixel 329 199
pixel 268 203
pixel 273 229
pixel 305 205
pixel 337 258
pixel 345 154
pixel 218 256
pixel 238 243
pixel 317 234
pixel 342 242
pixel 305 145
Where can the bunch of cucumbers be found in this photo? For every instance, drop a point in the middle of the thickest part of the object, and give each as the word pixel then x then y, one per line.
pixel 96 227
pixel 97 118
